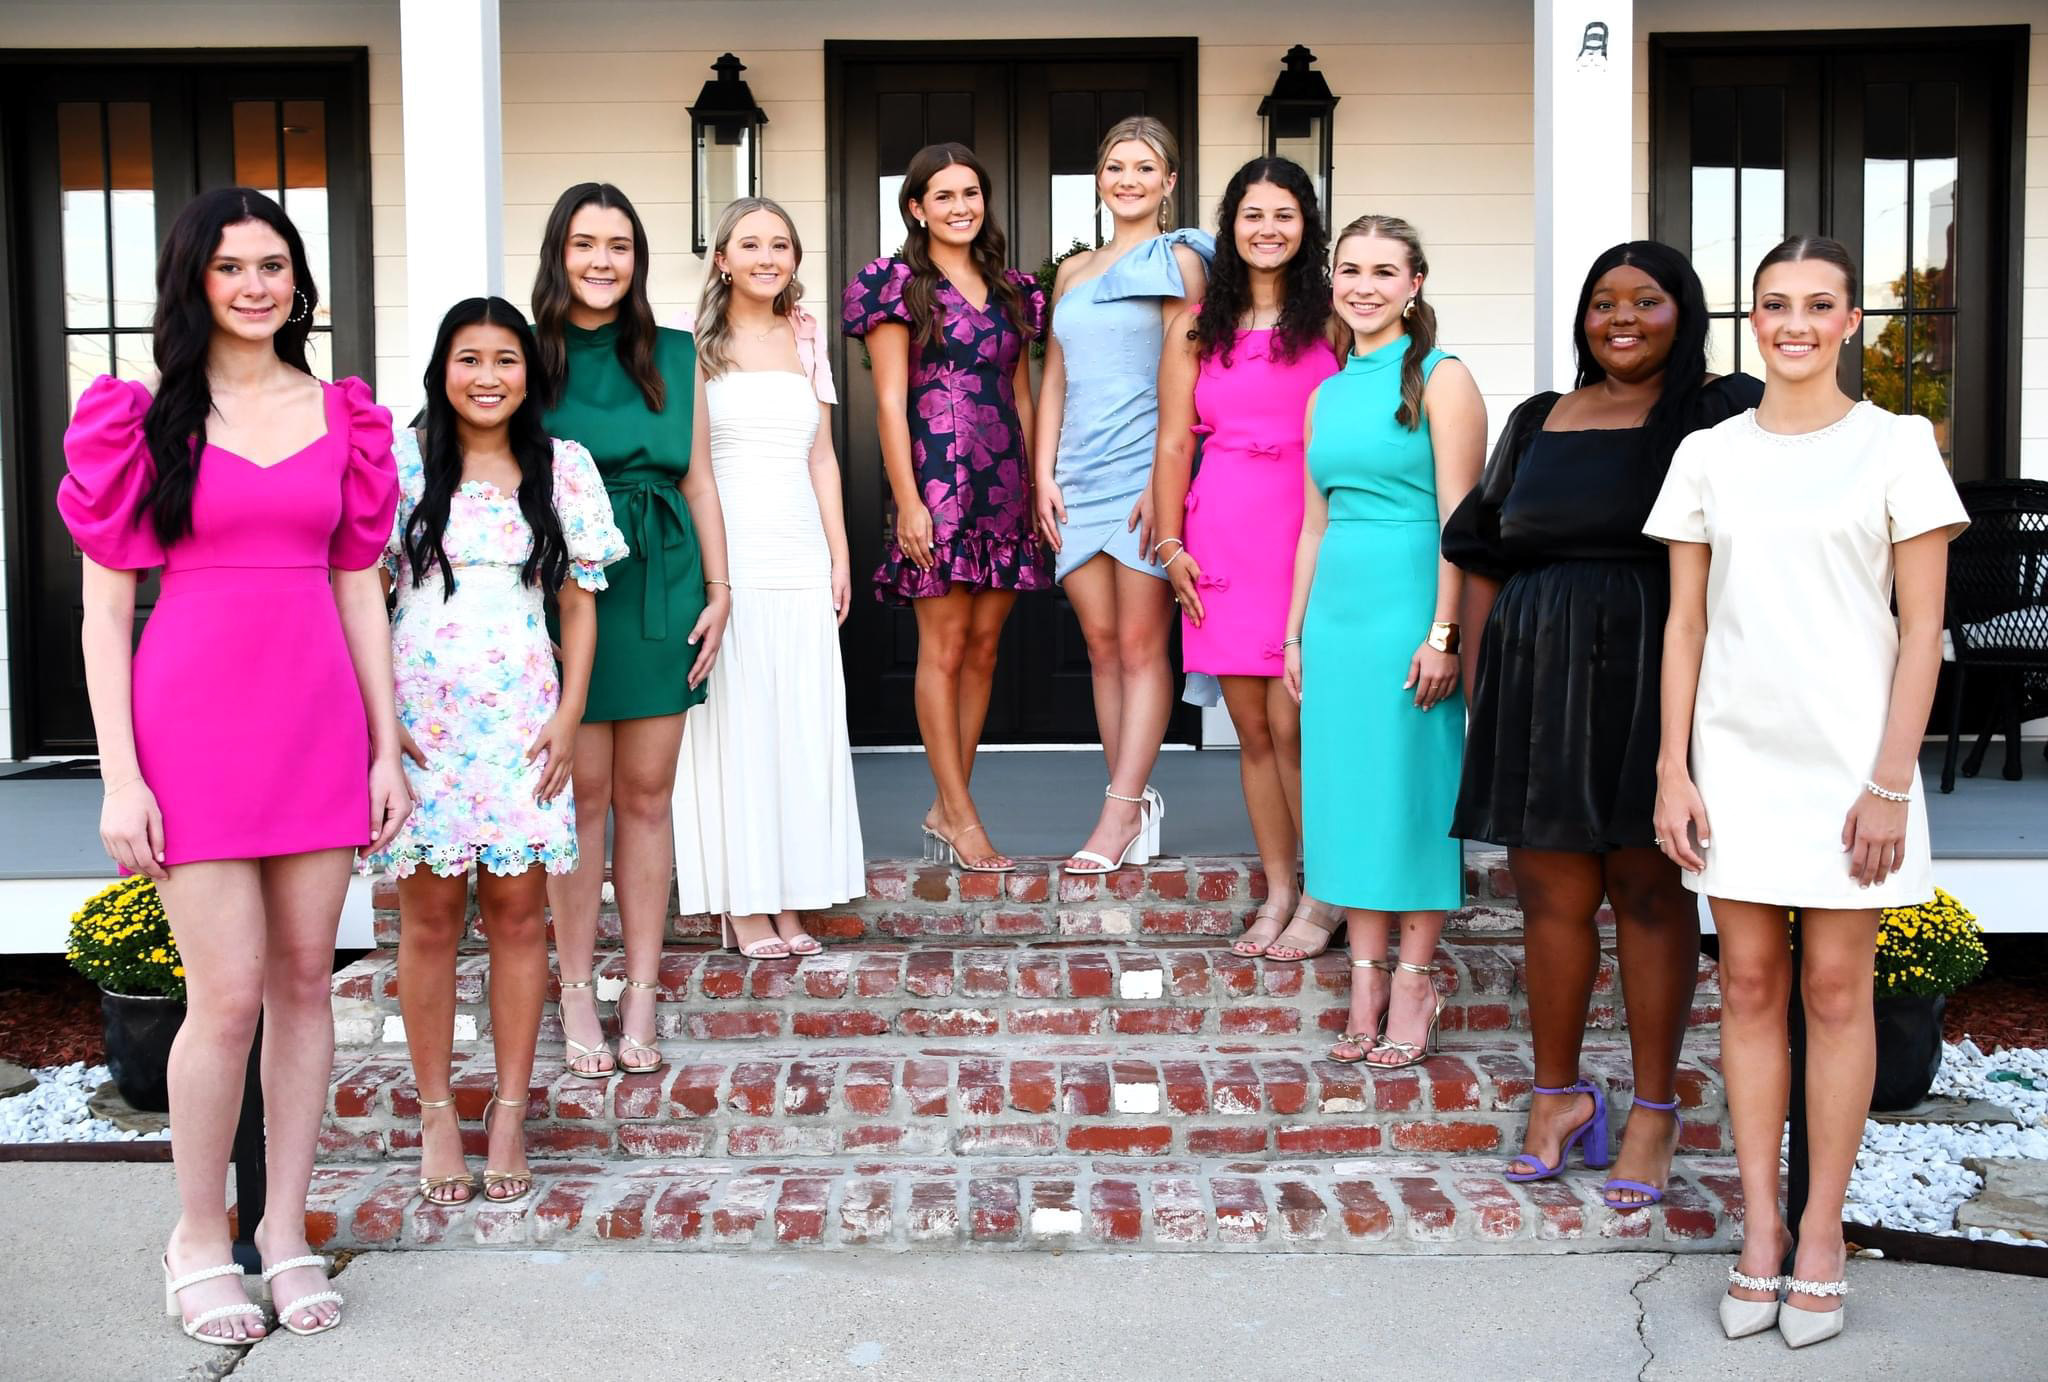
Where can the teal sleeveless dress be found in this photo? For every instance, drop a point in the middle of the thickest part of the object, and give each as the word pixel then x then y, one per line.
pixel 1379 778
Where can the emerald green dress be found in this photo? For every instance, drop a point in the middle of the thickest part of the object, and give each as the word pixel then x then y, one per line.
pixel 656 594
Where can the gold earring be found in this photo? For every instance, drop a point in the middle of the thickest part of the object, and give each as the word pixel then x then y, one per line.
pixel 1408 310
pixel 724 277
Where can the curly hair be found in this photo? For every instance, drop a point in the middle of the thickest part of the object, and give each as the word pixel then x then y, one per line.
pixel 989 250
pixel 1305 289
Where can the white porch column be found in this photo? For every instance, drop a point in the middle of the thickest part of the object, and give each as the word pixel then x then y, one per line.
pixel 454 175
pixel 1585 60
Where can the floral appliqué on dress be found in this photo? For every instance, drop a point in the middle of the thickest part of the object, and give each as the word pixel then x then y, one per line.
pixel 476 676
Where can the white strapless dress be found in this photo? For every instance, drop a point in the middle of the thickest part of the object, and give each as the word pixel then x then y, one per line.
pixel 765 814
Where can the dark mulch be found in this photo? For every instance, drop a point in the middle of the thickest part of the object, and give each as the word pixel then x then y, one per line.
pixel 49 1015
pixel 2009 1005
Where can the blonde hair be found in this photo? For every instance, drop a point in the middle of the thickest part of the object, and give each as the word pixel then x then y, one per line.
pixel 1152 133
pixel 712 331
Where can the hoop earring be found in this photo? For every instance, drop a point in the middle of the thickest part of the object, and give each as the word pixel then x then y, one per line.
pixel 724 277
pixel 302 307
pixel 1408 310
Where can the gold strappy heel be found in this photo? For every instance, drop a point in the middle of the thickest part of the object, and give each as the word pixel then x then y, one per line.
pixel 1411 1054
pixel 629 1044
pixel 576 1050
pixel 1365 1042
pixel 493 1179
pixel 431 1184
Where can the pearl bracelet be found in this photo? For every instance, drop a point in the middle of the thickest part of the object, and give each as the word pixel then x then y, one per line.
pixel 1886 793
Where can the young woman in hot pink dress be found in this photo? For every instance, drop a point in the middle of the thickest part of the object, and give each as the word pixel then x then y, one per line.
pixel 249 747
pixel 1238 373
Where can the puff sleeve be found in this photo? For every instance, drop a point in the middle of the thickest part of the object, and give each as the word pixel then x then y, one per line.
pixel 1471 538
pixel 412 483
pixel 369 482
pixel 110 469
pixel 1034 297
pixel 1680 513
pixel 875 297
pixel 585 512
pixel 1919 493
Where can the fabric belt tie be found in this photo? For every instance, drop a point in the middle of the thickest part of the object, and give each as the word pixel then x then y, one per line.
pixel 651 514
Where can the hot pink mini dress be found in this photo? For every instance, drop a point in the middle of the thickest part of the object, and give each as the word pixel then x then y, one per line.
pixel 1244 507
pixel 249 724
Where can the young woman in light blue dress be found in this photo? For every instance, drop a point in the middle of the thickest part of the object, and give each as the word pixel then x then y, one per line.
pixel 1394 442
pixel 1098 413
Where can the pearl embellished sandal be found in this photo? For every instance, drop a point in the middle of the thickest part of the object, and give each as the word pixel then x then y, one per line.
pixel 194 1328
pixel 1742 1318
pixel 286 1311
pixel 1803 1327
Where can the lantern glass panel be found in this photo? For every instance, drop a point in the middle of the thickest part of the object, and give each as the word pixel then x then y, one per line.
pixel 725 164
pixel 1299 134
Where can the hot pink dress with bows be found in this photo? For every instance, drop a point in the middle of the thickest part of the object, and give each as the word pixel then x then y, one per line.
pixel 1244 508
pixel 249 724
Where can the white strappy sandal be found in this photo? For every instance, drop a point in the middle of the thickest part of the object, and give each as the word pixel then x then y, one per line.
pixel 197 1323
pixel 286 1311
pixel 1138 851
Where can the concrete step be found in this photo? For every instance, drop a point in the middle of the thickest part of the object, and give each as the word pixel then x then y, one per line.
pixel 1010 1097
pixel 1168 899
pixel 974 988
pixel 1423 1204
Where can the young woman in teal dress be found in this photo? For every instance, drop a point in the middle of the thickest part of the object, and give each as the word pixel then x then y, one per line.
pixel 624 388
pixel 1394 442
pixel 1098 417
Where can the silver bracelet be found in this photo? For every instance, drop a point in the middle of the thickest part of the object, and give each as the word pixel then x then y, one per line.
pixel 1294 642
pixel 1885 793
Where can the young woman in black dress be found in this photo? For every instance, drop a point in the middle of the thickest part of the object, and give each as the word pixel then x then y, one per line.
pixel 1560 764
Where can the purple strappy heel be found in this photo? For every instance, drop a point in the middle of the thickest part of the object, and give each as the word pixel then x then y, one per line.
pixel 1655 1192
pixel 1591 1136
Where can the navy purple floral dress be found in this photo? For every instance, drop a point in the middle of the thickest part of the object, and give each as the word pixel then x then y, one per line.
pixel 966 443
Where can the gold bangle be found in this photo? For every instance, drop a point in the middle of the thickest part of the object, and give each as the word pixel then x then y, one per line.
pixel 713 580
pixel 122 786
pixel 1443 636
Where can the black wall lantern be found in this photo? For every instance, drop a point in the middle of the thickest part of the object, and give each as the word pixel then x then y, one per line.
pixel 1299 112
pixel 725 127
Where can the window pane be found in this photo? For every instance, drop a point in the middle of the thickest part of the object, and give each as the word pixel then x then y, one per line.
pixel 1722 349
pixel 1071 126
pixel 305 196
pixel 1934 193
pixel 1763 178
pixel 134 212
pixel 133 357
pixel 1884 361
pixel 255 126
pixel 82 171
pixel 1713 193
pixel 949 118
pixel 320 354
pixel 899 132
pixel 1885 210
pixel 888 219
pixel 1934 377
pixel 86 358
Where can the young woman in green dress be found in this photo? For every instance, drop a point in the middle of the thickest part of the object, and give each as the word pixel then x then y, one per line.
pixel 624 388
pixel 1394 442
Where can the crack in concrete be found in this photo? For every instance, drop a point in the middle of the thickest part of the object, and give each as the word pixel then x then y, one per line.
pixel 1643 1313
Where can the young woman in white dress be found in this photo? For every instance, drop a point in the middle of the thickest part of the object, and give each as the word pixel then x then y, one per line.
pixel 1793 707
pixel 765 818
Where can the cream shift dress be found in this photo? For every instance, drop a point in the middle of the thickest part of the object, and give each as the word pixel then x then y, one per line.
pixel 1796 677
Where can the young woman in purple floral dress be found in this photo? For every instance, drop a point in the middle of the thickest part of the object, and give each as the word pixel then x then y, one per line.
pixel 946 325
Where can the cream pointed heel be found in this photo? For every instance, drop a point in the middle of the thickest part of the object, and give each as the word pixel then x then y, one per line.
pixel 1803 1327
pixel 291 1308
pixel 1742 1318
pixel 197 1323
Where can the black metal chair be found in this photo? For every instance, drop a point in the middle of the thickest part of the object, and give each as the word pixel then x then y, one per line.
pixel 1998 611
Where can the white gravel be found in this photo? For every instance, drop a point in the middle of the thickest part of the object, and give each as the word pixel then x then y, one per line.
pixel 55 1111
pixel 1911 1176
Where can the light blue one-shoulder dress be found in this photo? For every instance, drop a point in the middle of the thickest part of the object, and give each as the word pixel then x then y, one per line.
pixel 1379 778
pixel 1110 333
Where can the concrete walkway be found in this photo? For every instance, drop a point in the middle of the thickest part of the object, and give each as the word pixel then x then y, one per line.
pixel 78 1272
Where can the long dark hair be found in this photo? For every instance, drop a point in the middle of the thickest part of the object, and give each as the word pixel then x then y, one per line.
pixel 1675 411
pixel 552 297
pixel 1824 248
pixel 1305 292
pixel 548 563
pixel 1418 318
pixel 989 251
pixel 174 428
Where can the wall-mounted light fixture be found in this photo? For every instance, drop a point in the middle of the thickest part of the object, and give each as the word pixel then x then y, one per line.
pixel 725 128
pixel 1299 112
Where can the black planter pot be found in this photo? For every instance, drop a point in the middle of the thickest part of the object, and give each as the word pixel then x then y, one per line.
pixel 139 1030
pixel 1908 1050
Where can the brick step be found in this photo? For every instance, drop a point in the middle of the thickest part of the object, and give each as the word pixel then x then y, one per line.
pixel 1170 898
pixel 1012 1097
pixel 1424 1204
pixel 949 990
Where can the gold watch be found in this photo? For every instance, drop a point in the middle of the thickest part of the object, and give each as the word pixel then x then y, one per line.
pixel 1443 637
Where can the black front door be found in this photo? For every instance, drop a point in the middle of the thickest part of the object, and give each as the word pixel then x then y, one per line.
pixel 1034 113
pixel 1902 145
pixel 101 157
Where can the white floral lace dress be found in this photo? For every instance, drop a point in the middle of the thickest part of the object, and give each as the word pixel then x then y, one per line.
pixel 476 677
